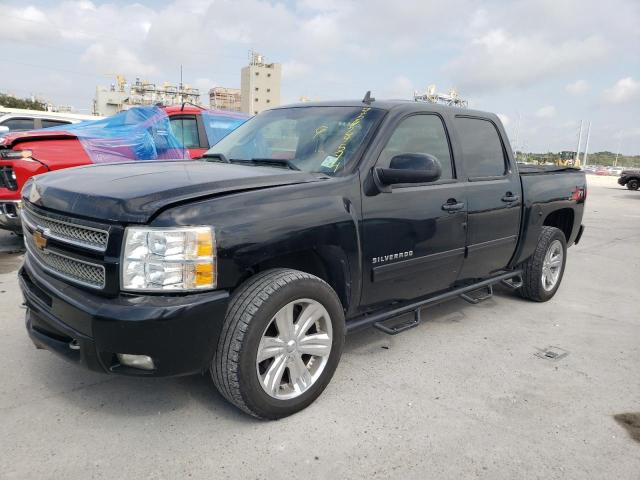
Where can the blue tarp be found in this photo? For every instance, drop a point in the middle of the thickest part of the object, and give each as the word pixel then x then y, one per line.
pixel 144 133
pixel 140 133
pixel 218 124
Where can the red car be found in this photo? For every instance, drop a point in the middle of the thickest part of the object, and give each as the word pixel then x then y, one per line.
pixel 142 133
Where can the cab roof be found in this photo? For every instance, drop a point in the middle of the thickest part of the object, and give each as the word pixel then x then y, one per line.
pixel 398 106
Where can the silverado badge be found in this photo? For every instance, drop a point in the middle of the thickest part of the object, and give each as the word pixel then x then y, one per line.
pixel 393 256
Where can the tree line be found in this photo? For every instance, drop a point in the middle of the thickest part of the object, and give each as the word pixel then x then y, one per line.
pixel 605 158
pixel 10 101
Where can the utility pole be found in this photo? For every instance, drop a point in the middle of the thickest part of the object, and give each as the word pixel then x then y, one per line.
pixel 586 146
pixel 579 141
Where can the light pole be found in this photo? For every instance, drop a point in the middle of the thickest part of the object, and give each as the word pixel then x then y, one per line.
pixel 577 159
pixel 586 146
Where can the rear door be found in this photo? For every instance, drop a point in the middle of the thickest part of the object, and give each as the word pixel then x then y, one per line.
pixel 493 197
pixel 414 235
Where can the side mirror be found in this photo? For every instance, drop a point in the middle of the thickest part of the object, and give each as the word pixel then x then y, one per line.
pixel 410 168
pixel 3 129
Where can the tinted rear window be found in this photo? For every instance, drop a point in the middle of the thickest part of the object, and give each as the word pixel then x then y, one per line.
pixel 481 148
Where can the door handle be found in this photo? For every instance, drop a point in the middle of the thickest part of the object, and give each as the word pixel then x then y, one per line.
pixel 510 198
pixel 452 206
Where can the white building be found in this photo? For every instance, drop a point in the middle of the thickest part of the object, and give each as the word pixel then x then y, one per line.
pixel 260 85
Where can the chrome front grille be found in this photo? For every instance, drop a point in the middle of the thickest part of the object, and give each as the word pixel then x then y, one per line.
pixel 78 271
pixel 79 235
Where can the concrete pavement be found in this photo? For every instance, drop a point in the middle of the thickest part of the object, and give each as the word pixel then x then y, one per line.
pixel 461 396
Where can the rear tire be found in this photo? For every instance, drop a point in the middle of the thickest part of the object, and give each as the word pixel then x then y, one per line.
pixel 542 272
pixel 270 362
pixel 633 184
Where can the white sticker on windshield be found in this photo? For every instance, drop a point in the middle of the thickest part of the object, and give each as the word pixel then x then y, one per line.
pixel 329 162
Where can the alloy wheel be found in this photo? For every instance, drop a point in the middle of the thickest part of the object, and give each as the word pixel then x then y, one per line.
pixel 552 265
pixel 294 349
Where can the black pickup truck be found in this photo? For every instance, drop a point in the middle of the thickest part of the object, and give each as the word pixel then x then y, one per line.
pixel 630 178
pixel 305 223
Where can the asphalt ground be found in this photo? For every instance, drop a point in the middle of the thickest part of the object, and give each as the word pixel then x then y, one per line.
pixel 470 393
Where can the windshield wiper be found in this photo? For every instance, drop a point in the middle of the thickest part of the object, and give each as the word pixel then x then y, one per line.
pixel 275 162
pixel 215 157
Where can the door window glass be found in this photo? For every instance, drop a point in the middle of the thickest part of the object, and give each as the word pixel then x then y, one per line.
pixel 186 131
pixel 18 124
pixel 53 123
pixel 420 134
pixel 481 148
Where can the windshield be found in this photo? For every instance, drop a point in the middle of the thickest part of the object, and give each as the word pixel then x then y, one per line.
pixel 312 139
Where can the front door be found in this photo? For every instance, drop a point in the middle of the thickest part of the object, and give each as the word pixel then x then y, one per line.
pixel 414 235
pixel 190 134
pixel 493 197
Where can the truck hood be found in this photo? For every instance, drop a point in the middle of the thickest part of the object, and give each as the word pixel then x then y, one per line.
pixel 134 192
pixel 10 139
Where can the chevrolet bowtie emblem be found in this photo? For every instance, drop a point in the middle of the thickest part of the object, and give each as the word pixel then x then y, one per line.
pixel 39 240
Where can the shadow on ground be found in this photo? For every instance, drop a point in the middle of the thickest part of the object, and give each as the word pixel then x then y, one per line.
pixel 631 423
pixel 140 397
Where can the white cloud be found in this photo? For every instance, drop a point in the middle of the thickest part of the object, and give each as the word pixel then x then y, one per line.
pixel 294 69
pixel 109 59
pixel 547 111
pixel 24 24
pixel 499 59
pixel 624 90
pixel 579 87
pixel 400 87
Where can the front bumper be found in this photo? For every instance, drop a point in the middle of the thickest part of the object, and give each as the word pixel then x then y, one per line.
pixel 622 181
pixel 180 333
pixel 10 216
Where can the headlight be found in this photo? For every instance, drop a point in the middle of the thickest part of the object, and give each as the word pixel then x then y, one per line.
pixel 160 259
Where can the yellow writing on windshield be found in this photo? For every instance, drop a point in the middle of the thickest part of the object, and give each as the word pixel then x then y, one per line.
pixel 321 130
pixel 349 132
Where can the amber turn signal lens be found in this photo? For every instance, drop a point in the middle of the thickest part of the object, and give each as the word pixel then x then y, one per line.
pixel 204 274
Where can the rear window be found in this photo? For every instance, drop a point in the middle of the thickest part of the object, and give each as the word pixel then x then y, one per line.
pixel 482 151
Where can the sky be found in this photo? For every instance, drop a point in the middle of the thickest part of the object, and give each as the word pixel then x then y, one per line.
pixel 543 66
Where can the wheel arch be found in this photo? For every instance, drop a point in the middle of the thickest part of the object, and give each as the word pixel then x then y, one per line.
pixel 632 179
pixel 561 219
pixel 328 263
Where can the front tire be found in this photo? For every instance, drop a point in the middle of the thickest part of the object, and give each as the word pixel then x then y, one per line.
pixel 633 184
pixel 542 272
pixel 280 343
